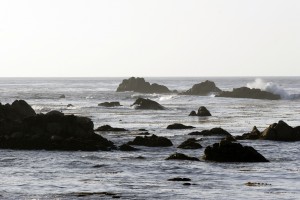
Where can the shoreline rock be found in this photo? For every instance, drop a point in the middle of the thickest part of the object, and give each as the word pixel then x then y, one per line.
pixel 22 128
pixel 108 128
pixel 190 143
pixel 202 112
pixel 151 141
pixel 212 132
pixel 181 156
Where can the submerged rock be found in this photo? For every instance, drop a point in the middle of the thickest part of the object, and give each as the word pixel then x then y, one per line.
pixel 180 179
pixel 202 89
pixel 140 85
pixel 62 96
pixel 52 131
pixel 110 104
pixel 151 141
pixel 179 126
pixel 181 156
pixel 147 104
pixel 190 143
pixel 109 128
pixel 227 151
pixel 212 132
pixel 126 147
pixel 253 135
pixel 245 92
pixel 202 111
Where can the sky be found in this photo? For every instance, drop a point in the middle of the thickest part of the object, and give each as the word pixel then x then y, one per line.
pixel 120 38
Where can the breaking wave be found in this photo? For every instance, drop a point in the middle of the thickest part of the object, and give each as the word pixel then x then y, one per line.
pixel 273 88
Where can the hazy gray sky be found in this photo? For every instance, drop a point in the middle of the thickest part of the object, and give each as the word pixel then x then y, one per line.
pixel 149 38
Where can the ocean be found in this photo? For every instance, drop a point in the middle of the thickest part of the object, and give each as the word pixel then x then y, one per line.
pixel 88 175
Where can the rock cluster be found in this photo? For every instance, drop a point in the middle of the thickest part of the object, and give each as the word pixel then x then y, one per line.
pixel 22 128
pixel 202 111
pixel 280 131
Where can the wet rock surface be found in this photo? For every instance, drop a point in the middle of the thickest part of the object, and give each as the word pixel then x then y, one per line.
pixel 110 104
pixel 147 104
pixel 151 141
pixel 181 156
pixel 203 88
pixel 179 126
pixel 244 92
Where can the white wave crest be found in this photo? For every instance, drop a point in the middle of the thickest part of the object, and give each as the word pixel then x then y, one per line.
pixel 273 88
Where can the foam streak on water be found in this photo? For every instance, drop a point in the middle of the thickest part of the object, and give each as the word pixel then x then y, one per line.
pixel 63 175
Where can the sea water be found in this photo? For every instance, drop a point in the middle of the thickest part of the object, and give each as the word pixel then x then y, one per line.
pixel 144 174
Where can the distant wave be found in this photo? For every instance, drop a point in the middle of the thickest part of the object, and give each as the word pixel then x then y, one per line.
pixel 273 88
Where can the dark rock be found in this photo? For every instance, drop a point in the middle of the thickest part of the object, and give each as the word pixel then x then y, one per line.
pixel 179 179
pixel 110 104
pixel 140 85
pixel 126 147
pixel 151 141
pixel 227 151
pixel 190 144
pixel 179 126
pixel 245 92
pixel 51 131
pixel 147 104
pixel 181 156
pixel 202 89
pixel 109 128
pixel 70 105
pixel 62 96
pixel 202 111
pixel 253 135
pixel 187 184
pixel 212 132
pixel 281 131
pixel 142 129
pixel 18 110
pixel 229 138
pixel 193 113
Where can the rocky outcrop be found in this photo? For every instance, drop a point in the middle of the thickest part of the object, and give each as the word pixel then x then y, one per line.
pixel 212 132
pixel 110 104
pixel 202 111
pixel 245 92
pixel 227 151
pixel 190 143
pixel 280 131
pixel 203 89
pixel 21 128
pixel 109 128
pixel 151 141
pixel 147 104
pixel 179 179
pixel 140 85
pixel 181 156
pixel 179 126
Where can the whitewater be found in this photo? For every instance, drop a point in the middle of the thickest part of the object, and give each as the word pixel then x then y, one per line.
pixel 144 174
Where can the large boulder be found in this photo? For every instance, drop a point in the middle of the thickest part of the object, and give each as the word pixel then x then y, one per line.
pixel 151 141
pixel 212 132
pixel 51 131
pixel 281 131
pixel 203 88
pixel 147 104
pixel 202 112
pixel 227 151
pixel 245 92
pixel 110 104
pixel 140 85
